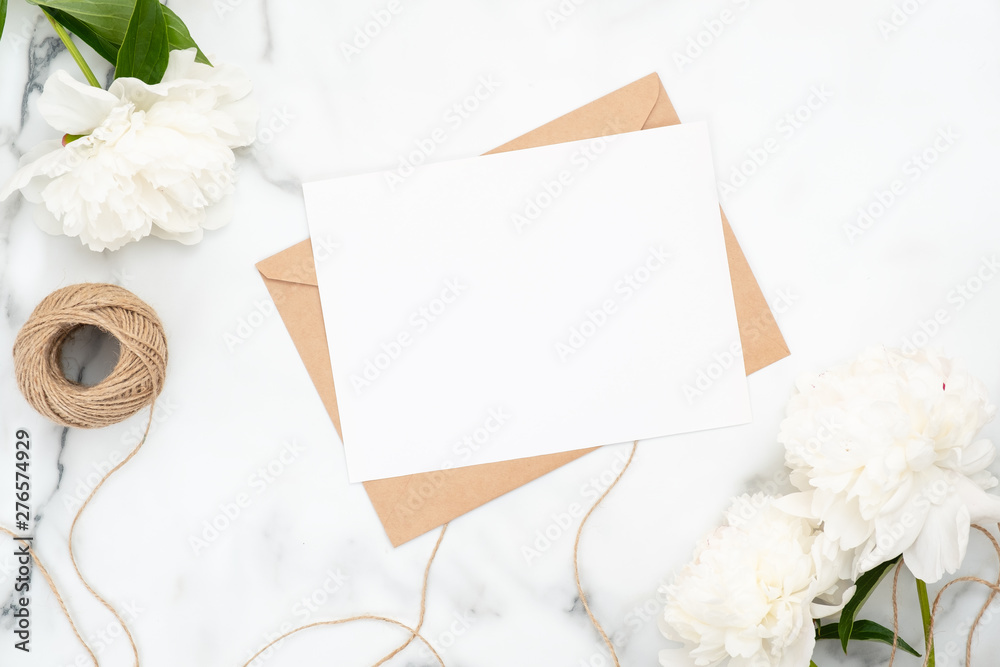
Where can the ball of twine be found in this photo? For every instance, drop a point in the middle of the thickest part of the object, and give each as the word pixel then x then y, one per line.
pixel 134 382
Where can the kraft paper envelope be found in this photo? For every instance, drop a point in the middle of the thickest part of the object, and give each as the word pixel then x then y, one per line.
pixel 410 506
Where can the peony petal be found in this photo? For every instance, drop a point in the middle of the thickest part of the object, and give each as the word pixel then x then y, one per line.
pixel 74 107
pixel 37 167
pixel 243 116
pixel 155 158
pixel 139 93
pixel 186 238
pixel 797 504
pixel 843 521
pixel 182 65
pixel 47 222
pixel 674 657
pixel 839 600
pixel 977 456
pixel 219 215
pixel 983 507
pixel 942 542
pixel 799 653
pixel 738 643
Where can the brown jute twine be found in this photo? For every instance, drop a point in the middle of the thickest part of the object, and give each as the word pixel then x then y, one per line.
pixel 414 632
pixel 994 588
pixel 576 559
pixel 133 384
pixel 52 585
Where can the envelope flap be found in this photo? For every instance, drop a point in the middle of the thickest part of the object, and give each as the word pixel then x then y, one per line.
pixel 294 265
pixel 624 110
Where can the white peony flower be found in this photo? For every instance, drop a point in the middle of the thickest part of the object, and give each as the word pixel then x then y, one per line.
pixel 152 159
pixel 886 455
pixel 749 595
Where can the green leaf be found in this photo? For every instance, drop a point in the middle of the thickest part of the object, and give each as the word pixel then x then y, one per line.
pixel 103 47
pixel 102 24
pixel 107 18
pixel 145 50
pixel 865 585
pixel 179 37
pixel 3 15
pixel 868 631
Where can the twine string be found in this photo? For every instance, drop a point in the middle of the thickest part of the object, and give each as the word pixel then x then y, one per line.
pixel 136 381
pixel 55 591
pixel 414 631
pixel 423 602
pixel 895 612
pixel 72 556
pixel 576 559
pixel 133 384
pixel 72 530
pixel 342 621
pixel 994 591
pixel 989 600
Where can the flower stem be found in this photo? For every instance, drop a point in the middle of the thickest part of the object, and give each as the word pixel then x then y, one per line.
pixel 73 51
pixel 925 614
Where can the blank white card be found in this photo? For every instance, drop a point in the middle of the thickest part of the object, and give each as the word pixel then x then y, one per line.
pixel 528 303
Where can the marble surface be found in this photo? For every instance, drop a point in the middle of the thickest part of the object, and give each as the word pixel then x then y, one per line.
pixel 843 99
